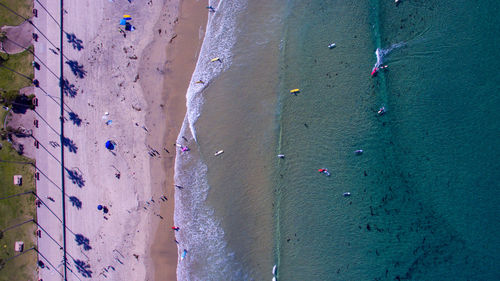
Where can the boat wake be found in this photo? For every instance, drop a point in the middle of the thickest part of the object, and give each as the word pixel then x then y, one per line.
pixel 380 53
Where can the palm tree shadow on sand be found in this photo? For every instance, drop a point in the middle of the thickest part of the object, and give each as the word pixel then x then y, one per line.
pixel 76 68
pixel 70 145
pixel 83 268
pixel 75 42
pixel 69 89
pixel 76 177
pixel 75 202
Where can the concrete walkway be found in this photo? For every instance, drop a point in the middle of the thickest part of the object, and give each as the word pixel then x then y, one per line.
pixel 48 158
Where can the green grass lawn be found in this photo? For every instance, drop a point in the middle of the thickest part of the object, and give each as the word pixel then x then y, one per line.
pixel 18 209
pixel 3 115
pixel 22 7
pixel 21 63
pixel 14 211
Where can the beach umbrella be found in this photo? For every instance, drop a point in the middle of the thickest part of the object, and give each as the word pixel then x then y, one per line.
pixel 123 22
pixel 99 207
pixel 110 145
pixel 129 27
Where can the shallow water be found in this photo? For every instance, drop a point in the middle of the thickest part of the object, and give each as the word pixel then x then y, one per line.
pixel 425 190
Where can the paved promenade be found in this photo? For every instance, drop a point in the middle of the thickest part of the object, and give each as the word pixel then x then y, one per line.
pixel 48 136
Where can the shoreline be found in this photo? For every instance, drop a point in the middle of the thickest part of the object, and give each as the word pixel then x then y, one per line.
pixel 182 38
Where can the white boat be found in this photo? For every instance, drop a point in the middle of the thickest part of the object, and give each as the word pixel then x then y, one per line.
pixel 347 194
pixel 281 156
pixel 332 45
pixel 274 270
pixel 218 152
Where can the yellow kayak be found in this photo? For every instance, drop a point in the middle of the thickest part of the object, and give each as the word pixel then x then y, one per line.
pixel 215 59
pixel 294 91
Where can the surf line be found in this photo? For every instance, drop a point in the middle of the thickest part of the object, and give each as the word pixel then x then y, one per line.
pixel 279 150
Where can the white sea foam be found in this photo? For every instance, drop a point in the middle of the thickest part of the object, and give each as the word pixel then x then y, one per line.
pixel 201 233
pixel 381 53
pixel 219 39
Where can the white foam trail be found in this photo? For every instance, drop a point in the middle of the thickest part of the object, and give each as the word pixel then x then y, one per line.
pixel 201 233
pixel 381 53
pixel 218 42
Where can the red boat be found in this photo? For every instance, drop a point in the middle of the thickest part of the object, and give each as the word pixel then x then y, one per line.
pixel 374 71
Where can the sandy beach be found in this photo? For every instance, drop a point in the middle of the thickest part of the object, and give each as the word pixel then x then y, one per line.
pixel 165 118
pixel 127 87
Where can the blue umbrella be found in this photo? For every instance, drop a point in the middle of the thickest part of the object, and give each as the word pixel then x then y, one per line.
pixel 123 21
pixel 99 207
pixel 110 145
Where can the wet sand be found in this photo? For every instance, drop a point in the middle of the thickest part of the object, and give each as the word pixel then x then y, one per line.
pixel 165 95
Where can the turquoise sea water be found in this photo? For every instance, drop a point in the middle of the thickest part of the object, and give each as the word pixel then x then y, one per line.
pixel 424 193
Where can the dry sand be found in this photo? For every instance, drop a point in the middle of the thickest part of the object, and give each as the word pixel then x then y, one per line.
pixel 142 87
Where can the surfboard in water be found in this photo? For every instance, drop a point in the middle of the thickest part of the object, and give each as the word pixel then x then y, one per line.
pixel 183 255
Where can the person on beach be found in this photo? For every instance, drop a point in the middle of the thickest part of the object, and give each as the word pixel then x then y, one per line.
pixel 123 32
pixel 176 228
pixel 183 148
